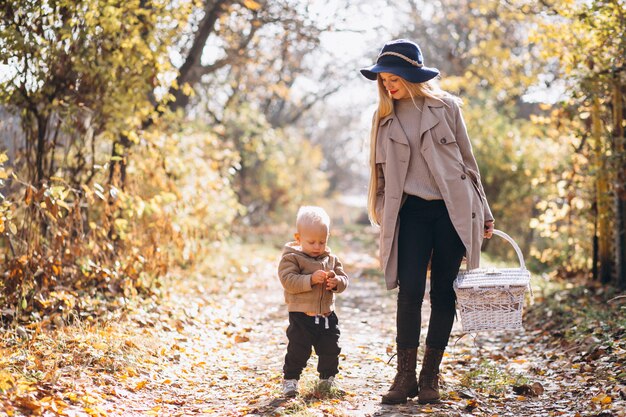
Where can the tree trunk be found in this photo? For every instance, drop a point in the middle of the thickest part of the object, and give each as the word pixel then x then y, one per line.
pixel 620 184
pixel 40 155
pixel 189 72
pixel 602 195
pixel 119 156
pixel 594 259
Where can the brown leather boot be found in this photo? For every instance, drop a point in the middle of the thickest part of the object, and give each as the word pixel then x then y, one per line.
pixel 405 383
pixel 429 376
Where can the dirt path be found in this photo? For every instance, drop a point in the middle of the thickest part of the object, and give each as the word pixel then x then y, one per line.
pixel 219 351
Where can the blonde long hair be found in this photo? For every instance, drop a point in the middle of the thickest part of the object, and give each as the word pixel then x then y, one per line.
pixel 428 89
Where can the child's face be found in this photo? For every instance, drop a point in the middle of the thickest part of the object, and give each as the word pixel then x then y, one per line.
pixel 312 239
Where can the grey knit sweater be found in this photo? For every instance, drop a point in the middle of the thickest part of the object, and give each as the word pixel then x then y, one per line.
pixel 419 180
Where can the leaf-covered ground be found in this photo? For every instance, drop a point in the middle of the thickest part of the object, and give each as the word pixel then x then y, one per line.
pixel 215 346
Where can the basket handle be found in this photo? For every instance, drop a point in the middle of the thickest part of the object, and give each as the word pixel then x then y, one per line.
pixel 512 242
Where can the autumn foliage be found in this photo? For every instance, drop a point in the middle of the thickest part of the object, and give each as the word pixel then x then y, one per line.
pixel 131 152
pixel 105 185
pixel 150 148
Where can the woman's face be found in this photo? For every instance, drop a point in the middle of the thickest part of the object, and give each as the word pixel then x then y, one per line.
pixel 393 84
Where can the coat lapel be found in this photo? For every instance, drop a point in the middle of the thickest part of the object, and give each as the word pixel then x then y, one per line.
pixel 431 114
pixel 396 133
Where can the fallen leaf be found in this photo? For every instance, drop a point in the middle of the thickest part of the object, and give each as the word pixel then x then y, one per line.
pixel 538 388
pixel 533 390
pixel 140 385
pixel 471 405
pixel 6 381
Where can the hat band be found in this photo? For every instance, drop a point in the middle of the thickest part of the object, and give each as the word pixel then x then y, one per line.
pixel 406 58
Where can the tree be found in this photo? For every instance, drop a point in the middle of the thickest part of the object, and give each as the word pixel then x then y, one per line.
pixel 262 55
pixel 82 69
pixel 588 41
pixel 82 74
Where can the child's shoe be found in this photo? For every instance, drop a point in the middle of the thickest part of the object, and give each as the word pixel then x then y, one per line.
pixel 290 387
pixel 328 384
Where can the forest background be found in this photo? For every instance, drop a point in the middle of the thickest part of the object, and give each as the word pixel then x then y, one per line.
pixel 154 153
pixel 144 136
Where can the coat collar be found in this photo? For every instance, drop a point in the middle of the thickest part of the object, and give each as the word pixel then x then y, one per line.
pixel 430 117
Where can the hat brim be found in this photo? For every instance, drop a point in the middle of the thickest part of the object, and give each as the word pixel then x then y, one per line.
pixel 413 74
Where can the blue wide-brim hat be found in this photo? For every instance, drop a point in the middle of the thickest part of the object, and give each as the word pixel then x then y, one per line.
pixel 402 58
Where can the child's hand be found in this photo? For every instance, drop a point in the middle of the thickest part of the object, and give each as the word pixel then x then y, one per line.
pixel 318 277
pixel 331 280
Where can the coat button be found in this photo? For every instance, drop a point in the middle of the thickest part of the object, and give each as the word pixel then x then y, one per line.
pixel 463 176
pixel 443 140
pixel 473 215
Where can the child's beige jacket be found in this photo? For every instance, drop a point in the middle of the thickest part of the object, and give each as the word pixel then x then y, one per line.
pixel 295 270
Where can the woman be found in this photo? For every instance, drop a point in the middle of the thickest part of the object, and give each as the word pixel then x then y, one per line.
pixel 426 195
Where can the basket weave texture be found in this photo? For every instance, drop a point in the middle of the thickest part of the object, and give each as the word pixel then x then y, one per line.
pixel 492 299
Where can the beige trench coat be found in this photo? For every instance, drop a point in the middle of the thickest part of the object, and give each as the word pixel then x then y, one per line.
pixel 446 148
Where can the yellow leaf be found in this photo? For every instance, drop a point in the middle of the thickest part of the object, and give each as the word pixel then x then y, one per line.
pixel 131 372
pixel 63 204
pixel 88 399
pixel 6 381
pixel 602 399
pixel 140 385
pixel 188 90
pixel 101 346
pixel 251 4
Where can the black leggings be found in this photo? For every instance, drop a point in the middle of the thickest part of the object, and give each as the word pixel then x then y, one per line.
pixel 426 234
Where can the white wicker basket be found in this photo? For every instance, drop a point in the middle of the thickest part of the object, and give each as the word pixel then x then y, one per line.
pixel 492 299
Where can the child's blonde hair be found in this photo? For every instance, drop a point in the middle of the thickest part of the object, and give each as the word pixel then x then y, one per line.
pixel 312 216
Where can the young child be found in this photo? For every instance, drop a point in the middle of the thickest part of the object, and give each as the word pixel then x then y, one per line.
pixel 311 276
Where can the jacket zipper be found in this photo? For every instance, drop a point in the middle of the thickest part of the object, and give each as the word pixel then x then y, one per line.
pixel 321 295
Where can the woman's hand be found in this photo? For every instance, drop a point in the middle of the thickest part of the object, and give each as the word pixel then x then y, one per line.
pixel 489 229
